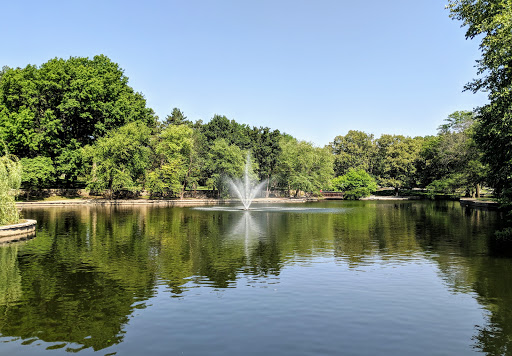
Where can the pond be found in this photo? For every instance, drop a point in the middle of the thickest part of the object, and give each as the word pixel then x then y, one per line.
pixel 329 278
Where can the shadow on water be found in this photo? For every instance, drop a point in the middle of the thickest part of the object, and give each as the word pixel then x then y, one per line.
pixel 80 282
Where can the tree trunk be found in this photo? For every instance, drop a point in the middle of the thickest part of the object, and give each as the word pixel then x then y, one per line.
pixel 182 193
pixel 297 193
pixel 478 190
pixel 396 191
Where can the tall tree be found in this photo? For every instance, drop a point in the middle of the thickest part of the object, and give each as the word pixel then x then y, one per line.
pixel 120 160
pixel 223 160
pixel 220 127
pixel 57 108
pixel 396 160
pixel 451 162
pixel 304 167
pixel 177 117
pixel 491 22
pixel 175 154
pixel 265 151
pixel 354 150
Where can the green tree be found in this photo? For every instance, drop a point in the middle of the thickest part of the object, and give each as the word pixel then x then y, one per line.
pixel 120 160
pixel 355 184
pixel 491 23
pixel 10 179
pixel 57 108
pixel 223 160
pixel 354 150
pixel 265 151
pixel 303 167
pixel 396 160
pixel 229 130
pixel 451 162
pixel 38 173
pixel 176 118
pixel 175 154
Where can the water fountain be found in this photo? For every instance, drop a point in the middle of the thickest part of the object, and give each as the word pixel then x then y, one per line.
pixel 246 189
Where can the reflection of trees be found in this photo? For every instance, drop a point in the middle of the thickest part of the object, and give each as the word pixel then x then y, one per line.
pixel 466 263
pixel 375 229
pixel 77 286
pixel 10 278
pixel 494 287
pixel 88 268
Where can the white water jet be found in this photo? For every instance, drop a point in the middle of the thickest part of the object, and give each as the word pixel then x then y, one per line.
pixel 244 188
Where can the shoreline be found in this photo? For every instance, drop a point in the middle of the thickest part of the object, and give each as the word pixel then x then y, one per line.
pixel 474 203
pixel 188 202
pixel 468 202
pixel 378 197
pixel 177 202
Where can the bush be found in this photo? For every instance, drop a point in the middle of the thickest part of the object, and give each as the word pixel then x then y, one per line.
pixel 355 184
pixel 38 172
pixel 446 186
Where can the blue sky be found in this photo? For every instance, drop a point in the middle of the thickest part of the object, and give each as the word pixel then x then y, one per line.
pixel 314 69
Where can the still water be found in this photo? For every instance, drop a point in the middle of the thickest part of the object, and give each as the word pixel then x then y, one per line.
pixel 351 278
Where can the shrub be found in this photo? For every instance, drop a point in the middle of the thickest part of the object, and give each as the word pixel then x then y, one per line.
pixel 355 184
pixel 10 179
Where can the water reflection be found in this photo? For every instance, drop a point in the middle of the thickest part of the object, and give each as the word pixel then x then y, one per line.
pixel 82 280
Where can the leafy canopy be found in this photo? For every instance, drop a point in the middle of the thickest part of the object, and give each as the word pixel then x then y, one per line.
pixel 120 159
pixel 491 23
pixel 57 108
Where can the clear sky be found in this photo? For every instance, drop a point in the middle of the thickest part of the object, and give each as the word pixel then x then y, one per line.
pixel 314 69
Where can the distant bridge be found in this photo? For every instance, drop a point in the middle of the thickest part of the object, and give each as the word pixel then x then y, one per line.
pixel 332 195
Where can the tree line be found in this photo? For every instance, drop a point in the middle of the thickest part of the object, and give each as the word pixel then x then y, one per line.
pixel 76 123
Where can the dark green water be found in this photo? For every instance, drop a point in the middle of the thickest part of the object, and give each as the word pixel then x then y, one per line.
pixel 360 278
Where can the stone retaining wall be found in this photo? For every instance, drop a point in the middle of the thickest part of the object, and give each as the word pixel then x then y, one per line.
pixel 22 231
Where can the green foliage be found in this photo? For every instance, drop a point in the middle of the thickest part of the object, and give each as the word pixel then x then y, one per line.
pixel 57 108
pixel 223 160
pixel 303 167
pixel 10 179
pixel 447 186
pixel 457 122
pixel 220 127
pixel 396 160
pixel 355 184
pixel 504 235
pixel 174 150
pixel 38 172
pixel 176 118
pixel 120 159
pixel 354 150
pixel 451 162
pixel 491 23
pixel 266 151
